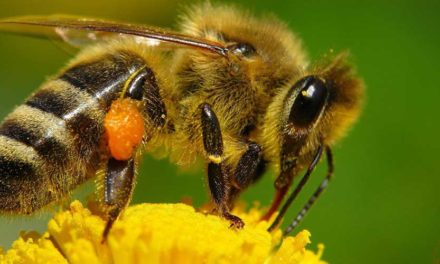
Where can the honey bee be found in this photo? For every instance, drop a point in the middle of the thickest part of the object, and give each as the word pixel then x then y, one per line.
pixel 231 89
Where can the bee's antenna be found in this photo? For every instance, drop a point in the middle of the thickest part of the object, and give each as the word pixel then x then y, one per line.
pixel 316 194
pixel 297 190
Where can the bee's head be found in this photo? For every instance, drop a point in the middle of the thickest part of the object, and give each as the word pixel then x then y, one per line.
pixel 315 109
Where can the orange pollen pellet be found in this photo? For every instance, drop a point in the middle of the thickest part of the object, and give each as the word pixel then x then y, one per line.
pixel 124 127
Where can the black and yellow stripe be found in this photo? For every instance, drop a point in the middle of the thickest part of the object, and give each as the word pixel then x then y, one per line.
pixel 104 78
pixel 47 144
pixel 20 177
pixel 48 147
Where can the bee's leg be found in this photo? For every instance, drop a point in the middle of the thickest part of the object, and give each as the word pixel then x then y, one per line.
pixel 119 178
pixel 143 86
pixel 246 171
pixel 289 152
pixel 220 186
pixel 315 195
pixel 249 169
pixel 218 172
pixel 119 181
pixel 212 135
pixel 298 188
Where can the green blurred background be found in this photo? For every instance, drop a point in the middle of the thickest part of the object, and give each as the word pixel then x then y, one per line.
pixel 383 205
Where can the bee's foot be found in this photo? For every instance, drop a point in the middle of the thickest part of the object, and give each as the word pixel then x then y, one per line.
pixel 236 222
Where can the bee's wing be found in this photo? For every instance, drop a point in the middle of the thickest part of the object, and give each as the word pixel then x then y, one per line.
pixel 78 32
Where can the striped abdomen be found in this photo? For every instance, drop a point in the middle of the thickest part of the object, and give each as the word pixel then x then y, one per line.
pixel 50 144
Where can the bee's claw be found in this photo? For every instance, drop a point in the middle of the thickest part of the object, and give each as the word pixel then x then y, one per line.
pixel 236 222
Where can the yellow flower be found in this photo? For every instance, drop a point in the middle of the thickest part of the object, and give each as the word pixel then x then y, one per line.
pixel 158 233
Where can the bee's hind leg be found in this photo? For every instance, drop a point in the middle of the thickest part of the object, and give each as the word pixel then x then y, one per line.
pixel 119 181
pixel 219 179
pixel 119 178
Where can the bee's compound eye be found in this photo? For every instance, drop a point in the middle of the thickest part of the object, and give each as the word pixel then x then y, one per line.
pixel 245 49
pixel 309 101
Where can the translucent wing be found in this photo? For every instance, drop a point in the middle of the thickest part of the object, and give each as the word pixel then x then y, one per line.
pixel 78 32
